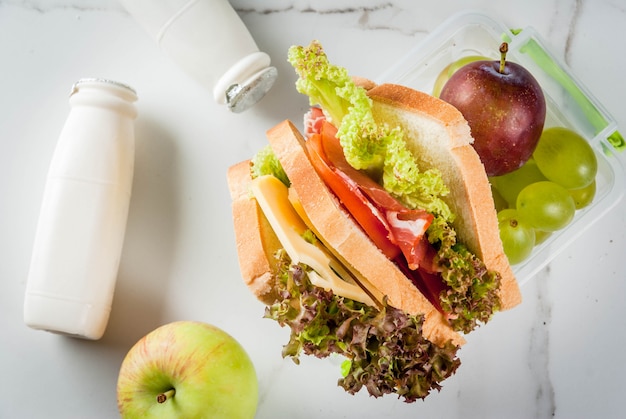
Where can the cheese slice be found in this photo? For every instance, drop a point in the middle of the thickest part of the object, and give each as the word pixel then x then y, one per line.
pixel 328 273
pixel 355 276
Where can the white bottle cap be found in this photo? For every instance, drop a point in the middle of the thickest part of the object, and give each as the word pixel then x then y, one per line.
pixel 239 89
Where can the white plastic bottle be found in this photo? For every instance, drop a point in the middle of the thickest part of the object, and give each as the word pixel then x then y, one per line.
pixel 210 42
pixel 82 221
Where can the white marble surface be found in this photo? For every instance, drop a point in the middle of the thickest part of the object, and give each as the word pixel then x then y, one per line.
pixel 558 355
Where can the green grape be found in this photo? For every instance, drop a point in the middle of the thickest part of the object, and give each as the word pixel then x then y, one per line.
pixel 518 238
pixel 546 206
pixel 566 158
pixel 450 69
pixel 499 202
pixel 509 185
pixel 541 236
pixel 583 196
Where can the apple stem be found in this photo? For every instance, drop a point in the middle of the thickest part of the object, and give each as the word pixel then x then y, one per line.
pixel 161 398
pixel 504 48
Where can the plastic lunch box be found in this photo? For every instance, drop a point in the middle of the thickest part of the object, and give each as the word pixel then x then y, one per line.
pixel 569 104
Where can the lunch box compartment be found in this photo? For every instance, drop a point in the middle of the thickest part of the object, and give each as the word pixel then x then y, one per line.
pixel 569 104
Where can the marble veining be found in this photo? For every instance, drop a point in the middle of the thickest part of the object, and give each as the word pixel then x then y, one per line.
pixel 383 15
pixel 44 6
pixel 571 33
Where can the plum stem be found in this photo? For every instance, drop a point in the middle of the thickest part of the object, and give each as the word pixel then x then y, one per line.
pixel 161 398
pixel 504 48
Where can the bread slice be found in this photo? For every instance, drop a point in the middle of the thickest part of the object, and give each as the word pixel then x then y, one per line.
pixel 255 239
pixel 346 237
pixel 439 137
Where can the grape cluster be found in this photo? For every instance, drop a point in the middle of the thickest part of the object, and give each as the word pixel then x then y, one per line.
pixel 543 195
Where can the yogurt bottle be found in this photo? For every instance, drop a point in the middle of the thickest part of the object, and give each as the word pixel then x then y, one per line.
pixel 210 42
pixel 82 221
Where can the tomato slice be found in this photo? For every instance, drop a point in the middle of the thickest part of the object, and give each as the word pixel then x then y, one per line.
pixel 350 195
pixel 396 226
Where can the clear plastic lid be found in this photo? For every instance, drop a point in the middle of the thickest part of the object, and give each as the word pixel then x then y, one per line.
pixel 569 104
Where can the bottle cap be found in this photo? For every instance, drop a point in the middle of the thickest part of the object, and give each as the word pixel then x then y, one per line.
pixel 241 96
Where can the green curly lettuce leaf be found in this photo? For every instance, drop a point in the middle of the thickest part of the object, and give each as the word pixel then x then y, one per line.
pixel 385 350
pixel 265 162
pixel 416 189
pixel 367 144
pixel 472 296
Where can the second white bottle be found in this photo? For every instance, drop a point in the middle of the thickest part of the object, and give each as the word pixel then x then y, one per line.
pixel 82 221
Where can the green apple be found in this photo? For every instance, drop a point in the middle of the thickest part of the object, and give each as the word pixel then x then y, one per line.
pixel 187 369
pixel 450 69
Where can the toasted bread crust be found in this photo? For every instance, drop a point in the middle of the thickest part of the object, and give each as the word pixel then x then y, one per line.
pixel 363 82
pixel 470 198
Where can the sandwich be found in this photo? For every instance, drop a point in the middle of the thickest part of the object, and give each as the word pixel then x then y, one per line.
pixel 371 232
